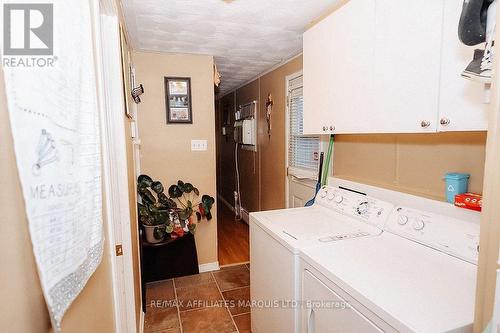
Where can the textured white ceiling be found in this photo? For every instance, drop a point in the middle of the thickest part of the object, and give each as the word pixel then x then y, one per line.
pixel 246 37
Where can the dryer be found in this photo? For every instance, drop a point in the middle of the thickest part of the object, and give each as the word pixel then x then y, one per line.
pixel 418 276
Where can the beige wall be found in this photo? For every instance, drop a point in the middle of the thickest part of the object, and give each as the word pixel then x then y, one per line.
pixel 95 301
pixel 413 163
pixel 23 307
pixel 166 149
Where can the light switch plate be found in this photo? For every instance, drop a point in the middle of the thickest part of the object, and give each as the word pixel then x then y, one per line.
pixel 199 145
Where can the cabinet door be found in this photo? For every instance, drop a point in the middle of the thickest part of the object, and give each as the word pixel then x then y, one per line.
pixel 326 313
pixel 407 66
pixel 461 104
pixel 315 68
pixel 338 68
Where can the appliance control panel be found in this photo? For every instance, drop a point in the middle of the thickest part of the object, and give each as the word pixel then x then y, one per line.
pixel 356 205
pixel 328 239
pixel 449 235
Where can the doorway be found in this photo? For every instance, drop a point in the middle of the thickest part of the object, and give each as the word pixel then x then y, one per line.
pixel 232 234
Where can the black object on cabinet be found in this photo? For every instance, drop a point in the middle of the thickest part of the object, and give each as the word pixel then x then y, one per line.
pixel 169 258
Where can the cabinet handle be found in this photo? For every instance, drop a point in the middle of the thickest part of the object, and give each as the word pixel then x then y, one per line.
pixel 425 123
pixel 444 121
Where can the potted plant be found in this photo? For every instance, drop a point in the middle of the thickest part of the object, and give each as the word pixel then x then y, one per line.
pixel 161 216
pixel 153 209
pixel 186 195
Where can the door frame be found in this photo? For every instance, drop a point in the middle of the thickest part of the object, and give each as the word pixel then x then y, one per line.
pixel 288 78
pixel 115 180
pixel 489 242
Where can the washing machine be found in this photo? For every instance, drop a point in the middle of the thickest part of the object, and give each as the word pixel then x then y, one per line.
pixel 277 237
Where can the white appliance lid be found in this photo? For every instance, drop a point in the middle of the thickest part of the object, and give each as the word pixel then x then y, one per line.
pixel 410 286
pixel 308 226
pixel 337 214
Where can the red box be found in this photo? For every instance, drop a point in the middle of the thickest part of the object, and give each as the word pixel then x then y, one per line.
pixel 469 200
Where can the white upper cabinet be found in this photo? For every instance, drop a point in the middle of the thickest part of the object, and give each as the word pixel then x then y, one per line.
pixel 462 104
pixel 387 66
pixel 338 67
pixel 407 66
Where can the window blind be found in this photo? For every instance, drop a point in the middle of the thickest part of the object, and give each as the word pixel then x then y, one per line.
pixel 303 150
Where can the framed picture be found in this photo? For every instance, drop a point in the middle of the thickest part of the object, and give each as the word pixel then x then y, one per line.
pixel 178 100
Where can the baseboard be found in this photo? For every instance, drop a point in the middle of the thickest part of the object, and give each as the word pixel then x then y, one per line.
pixel 225 202
pixel 211 266
pixel 235 264
pixel 245 216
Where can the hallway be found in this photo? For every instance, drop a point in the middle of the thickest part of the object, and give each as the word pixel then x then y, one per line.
pixel 233 241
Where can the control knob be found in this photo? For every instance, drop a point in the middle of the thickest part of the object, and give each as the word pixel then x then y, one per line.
pixel 362 208
pixel 418 224
pixel 402 219
pixel 331 195
pixel 339 198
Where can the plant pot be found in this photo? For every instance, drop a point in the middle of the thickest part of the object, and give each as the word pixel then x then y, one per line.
pixel 149 232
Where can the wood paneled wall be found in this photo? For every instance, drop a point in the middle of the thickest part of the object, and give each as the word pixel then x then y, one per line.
pixel 226 178
pixel 273 148
pixel 249 161
pixel 262 173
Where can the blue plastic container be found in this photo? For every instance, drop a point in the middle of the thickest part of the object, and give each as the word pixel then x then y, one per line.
pixel 456 183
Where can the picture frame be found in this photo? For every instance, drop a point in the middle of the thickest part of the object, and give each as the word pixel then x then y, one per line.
pixel 178 100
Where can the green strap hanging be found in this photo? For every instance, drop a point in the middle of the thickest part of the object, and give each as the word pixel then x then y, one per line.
pixel 326 166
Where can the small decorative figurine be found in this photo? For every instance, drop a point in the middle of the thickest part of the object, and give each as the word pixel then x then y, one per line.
pixel 269 110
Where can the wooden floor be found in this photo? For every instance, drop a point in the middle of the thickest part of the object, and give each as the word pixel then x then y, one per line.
pixel 232 238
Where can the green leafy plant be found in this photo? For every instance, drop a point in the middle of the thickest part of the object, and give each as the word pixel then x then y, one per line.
pixel 171 214
pixel 187 195
pixel 155 207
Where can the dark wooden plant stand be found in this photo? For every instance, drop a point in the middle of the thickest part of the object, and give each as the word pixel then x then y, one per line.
pixel 168 259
